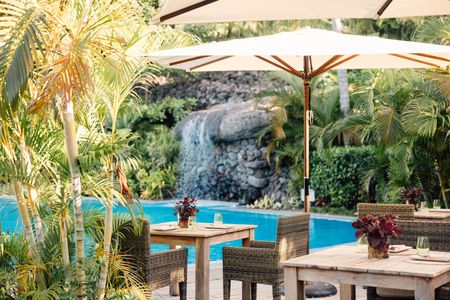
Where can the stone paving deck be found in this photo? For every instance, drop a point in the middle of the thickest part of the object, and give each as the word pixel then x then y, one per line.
pixel 216 290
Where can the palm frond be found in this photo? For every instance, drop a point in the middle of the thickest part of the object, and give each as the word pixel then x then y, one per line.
pixel 22 46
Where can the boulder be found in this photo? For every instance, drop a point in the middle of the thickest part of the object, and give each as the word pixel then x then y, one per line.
pixel 257 182
pixel 229 122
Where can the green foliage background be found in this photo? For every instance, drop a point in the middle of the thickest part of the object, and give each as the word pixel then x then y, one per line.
pixel 336 175
pixel 155 177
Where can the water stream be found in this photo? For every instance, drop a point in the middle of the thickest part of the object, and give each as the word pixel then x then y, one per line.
pixel 196 158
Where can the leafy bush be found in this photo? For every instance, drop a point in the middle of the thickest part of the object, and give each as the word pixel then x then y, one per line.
pixel 336 175
pixel 155 177
pixel 266 202
pixel 269 201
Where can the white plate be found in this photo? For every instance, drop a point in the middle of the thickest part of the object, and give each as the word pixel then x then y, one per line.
pixel 222 226
pixel 398 248
pixel 432 258
pixel 165 228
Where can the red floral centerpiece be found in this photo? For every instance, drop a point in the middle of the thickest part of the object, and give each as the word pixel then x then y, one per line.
pixel 412 195
pixel 377 229
pixel 185 209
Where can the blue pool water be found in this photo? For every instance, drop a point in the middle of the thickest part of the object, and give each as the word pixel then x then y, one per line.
pixel 324 231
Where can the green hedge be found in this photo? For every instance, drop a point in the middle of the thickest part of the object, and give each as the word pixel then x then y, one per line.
pixel 336 175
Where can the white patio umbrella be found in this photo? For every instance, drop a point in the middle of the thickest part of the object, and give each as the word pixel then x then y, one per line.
pixel 305 53
pixel 206 11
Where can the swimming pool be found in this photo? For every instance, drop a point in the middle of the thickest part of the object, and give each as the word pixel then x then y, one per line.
pixel 324 231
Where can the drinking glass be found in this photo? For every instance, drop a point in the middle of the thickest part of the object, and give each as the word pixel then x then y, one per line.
pixel 218 219
pixel 423 246
pixel 362 245
pixel 436 204
pixel 192 225
pixel 424 206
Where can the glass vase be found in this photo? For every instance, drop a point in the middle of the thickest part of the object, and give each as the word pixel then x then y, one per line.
pixel 376 253
pixel 182 223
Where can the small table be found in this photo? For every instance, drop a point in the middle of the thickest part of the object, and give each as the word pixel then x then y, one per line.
pixel 439 215
pixel 349 268
pixel 202 238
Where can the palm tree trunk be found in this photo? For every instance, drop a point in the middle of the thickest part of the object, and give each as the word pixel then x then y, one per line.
pixel 28 230
pixel 106 239
pixel 443 190
pixel 344 98
pixel 65 247
pixel 32 194
pixel 23 211
pixel 72 156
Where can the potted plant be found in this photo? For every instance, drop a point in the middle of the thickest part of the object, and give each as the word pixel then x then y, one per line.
pixel 377 229
pixel 185 209
pixel 412 195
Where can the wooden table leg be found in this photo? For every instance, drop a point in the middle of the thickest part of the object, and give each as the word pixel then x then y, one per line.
pixel 174 289
pixel 202 269
pixel 246 286
pixel 347 292
pixel 293 288
pixel 424 290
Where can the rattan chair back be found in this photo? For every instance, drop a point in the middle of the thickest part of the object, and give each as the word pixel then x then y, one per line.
pixel 292 236
pixel 135 247
pixel 438 234
pixel 403 211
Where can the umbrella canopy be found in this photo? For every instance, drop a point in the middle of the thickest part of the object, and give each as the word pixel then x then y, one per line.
pixel 286 51
pixel 305 54
pixel 206 11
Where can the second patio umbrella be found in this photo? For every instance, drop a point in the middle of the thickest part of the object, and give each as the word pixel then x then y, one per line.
pixel 205 11
pixel 305 54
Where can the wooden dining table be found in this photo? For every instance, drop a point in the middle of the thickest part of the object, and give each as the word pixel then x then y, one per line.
pixel 436 215
pixel 202 238
pixel 345 266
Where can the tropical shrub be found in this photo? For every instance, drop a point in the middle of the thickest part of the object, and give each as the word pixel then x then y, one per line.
pixel 412 195
pixel 66 70
pixel 155 176
pixel 405 116
pixel 336 175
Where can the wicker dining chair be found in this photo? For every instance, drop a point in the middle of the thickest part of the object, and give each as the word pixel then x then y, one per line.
pixel 438 234
pixel 403 211
pixel 260 263
pixel 158 269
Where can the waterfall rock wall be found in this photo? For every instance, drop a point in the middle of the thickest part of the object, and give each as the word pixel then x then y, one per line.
pixel 221 157
pixel 213 88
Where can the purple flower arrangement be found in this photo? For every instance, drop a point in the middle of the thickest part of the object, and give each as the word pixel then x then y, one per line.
pixel 186 208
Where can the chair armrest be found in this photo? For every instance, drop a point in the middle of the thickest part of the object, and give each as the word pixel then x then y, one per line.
pixel 249 257
pixel 262 244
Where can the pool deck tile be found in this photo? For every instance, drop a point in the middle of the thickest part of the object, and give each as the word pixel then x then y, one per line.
pixel 216 290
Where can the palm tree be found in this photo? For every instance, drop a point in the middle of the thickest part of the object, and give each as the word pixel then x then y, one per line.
pixel 58 46
pixel 286 142
pixel 344 97
pixel 404 115
pixel 434 30
pixel 114 93
pixel 14 127
pixel 63 42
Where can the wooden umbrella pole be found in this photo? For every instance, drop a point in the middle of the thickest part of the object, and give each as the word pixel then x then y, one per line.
pixel 306 120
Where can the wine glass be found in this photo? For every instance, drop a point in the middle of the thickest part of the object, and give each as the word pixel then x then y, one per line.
pixel 423 206
pixel 362 245
pixel 436 204
pixel 192 225
pixel 218 219
pixel 423 246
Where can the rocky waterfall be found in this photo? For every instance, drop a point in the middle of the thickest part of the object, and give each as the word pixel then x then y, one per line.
pixel 220 157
